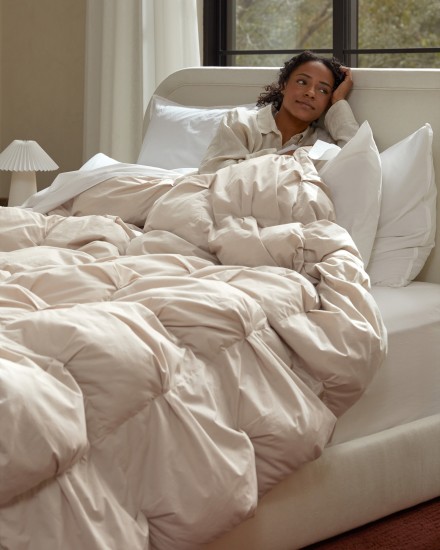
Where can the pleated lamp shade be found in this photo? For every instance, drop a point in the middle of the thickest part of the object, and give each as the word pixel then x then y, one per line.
pixel 23 158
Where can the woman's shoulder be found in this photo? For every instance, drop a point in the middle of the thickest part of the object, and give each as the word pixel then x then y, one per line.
pixel 253 113
pixel 247 110
pixel 241 115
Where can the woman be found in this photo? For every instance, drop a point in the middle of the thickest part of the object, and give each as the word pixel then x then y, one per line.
pixel 308 86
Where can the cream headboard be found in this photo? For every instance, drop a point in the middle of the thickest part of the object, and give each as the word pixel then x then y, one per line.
pixel 396 102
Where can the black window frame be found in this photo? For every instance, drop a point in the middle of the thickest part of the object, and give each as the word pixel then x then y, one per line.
pixel 216 25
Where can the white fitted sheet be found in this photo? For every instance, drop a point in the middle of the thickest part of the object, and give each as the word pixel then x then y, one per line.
pixel 407 386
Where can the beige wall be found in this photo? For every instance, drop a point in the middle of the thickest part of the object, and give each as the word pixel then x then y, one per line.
pixel 42 47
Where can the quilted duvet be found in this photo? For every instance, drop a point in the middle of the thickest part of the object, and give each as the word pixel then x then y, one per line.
pixel 170 349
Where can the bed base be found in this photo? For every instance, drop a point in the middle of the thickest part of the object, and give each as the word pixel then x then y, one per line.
pixel 351 484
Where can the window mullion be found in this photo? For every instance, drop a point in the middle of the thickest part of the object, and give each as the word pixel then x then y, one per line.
pixel 215 32
pixel 351 18
pixel 345 30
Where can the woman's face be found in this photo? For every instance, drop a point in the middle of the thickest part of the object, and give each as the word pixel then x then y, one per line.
pixel 308 92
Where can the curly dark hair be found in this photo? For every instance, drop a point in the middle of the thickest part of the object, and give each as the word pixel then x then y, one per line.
pixel 273 92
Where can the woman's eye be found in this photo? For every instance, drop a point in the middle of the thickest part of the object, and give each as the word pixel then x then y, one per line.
pixel 301 81
pixel 324 91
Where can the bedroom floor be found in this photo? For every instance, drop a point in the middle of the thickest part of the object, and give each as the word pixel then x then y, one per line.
pixel 416 528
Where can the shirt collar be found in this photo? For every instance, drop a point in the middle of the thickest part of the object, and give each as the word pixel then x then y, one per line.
pixel 266 124
pixel 266 120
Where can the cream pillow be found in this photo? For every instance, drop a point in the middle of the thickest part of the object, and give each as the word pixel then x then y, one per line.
pixel 407 222
pixel 178 136
pixel 354 177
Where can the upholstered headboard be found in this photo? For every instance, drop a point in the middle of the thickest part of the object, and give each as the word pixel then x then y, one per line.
pixel 396 102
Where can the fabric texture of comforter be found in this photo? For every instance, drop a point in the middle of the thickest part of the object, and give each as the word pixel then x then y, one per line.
pixel 171 348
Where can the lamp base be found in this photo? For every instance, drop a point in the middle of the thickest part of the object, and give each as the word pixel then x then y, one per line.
pixel 23 185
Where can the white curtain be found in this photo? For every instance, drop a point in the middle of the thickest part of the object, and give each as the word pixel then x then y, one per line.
pixel 131 46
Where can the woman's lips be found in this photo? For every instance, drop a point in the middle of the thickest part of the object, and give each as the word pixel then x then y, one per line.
pixel 307 105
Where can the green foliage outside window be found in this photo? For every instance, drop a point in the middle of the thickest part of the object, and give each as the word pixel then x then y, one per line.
pixel 308 24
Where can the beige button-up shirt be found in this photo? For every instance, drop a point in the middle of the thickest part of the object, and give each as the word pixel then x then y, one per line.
pixel 244 134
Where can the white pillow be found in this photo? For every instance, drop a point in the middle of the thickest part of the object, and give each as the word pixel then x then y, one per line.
pixel 407 223
pixel 178 136
pixel 354 177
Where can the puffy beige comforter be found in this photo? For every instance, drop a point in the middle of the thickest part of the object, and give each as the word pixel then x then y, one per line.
pixel 170 349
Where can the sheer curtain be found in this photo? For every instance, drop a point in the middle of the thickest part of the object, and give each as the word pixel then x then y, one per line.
pixel 130 47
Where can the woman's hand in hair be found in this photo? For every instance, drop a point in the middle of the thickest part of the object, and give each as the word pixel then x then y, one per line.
pixel 344 87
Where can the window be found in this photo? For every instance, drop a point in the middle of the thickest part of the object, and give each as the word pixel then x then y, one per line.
pixel 360 33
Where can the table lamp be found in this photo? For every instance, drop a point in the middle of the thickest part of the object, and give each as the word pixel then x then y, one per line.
pixel 23 158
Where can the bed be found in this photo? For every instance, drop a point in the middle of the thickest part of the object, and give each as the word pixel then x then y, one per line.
pixel 213 362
